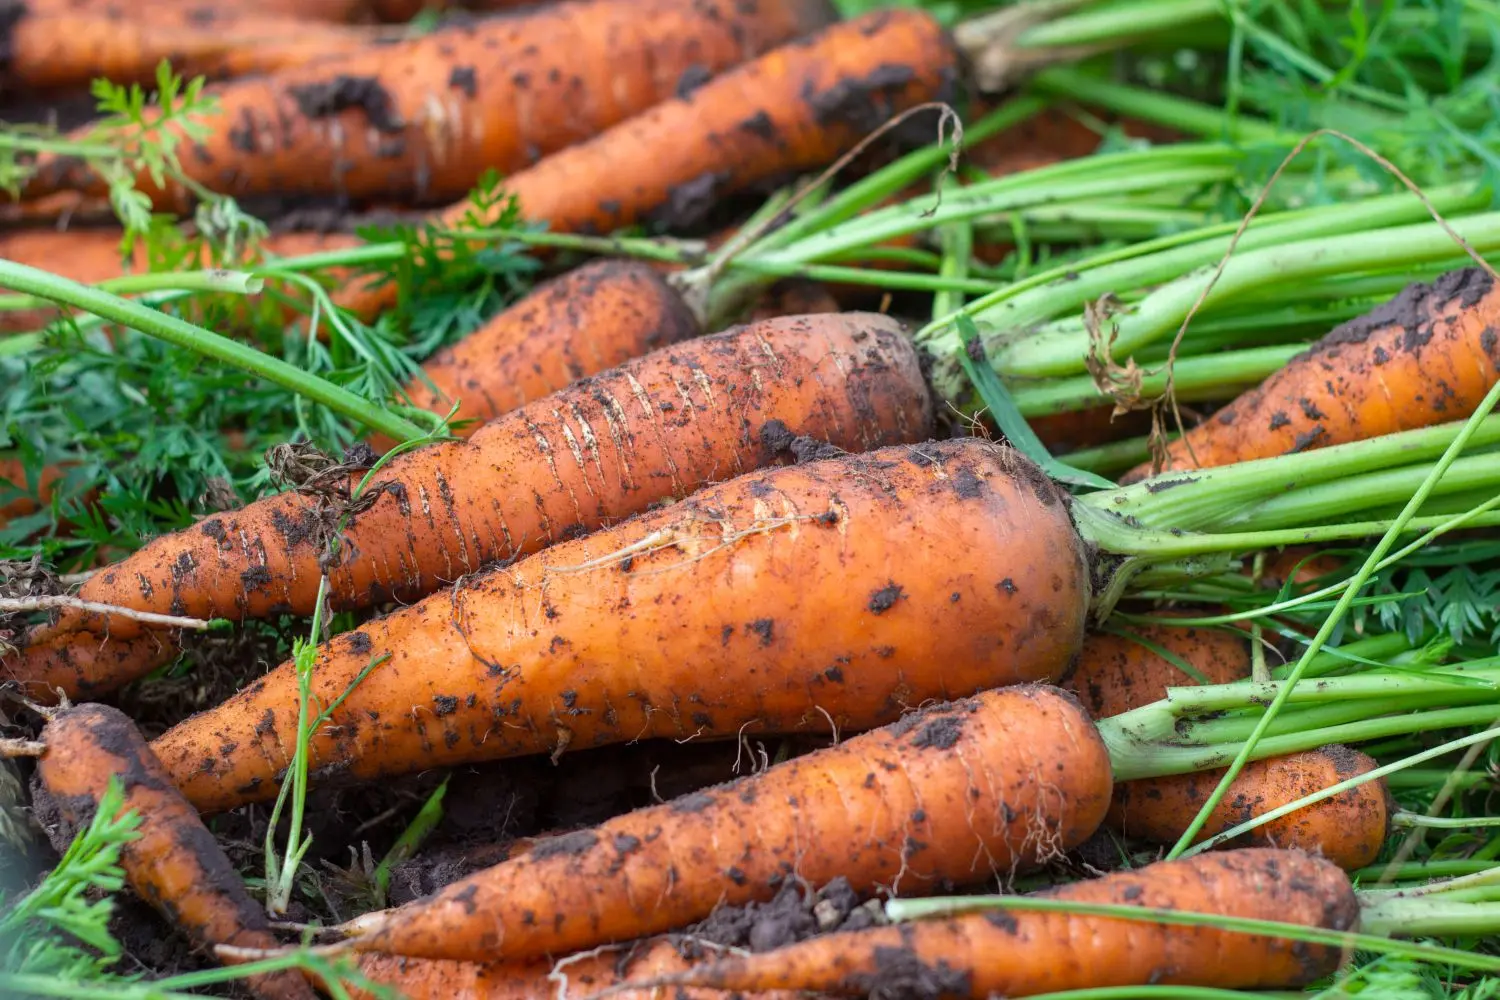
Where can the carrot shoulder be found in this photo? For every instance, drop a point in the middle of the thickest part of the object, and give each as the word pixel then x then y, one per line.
pixel 423 119
pixel 592 318
pixel 1017 953
pixel 654 429
pixel 174 864
pixel 958 792
pixel 1426 357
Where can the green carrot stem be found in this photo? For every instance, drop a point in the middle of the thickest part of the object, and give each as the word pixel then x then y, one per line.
pixel 1157 107
pixel 211 280
pixel 1113 457
pixel 53 288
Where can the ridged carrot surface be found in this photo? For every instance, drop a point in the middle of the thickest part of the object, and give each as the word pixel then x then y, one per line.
pixel 950 566
pixel 958 792
pixel 1426 357
pixel 654 429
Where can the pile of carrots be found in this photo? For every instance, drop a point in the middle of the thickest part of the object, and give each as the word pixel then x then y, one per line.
pixel 649 525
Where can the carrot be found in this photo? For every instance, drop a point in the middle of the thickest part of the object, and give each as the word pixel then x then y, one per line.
pixel 308 10
pixel 58 211
pixel 957 792
pixel 653 429
pixel 590 319
pixel 1349 828
pixel 793 109
pixel 174 864
pixel 1069 431
pixel 583 974
pixel 1116 673
pixel 1016 953
pixel 423 119
pixel 1426 357
pixel 25 496
pixel 857 584
pixel 49 51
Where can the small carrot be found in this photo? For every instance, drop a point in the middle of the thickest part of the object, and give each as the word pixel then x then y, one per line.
pixel 856 584
pixel 590 319
pixel 1426 357
pixel 956 792
pixel 423 119
pixel 1069 431
pixel 1116 672
pixel 1348 829
pixel 63 49
pixel 174 864
pixel 576 975
pixel 654 429
pixel 1016 953
pixel 24 496
pixel 793 109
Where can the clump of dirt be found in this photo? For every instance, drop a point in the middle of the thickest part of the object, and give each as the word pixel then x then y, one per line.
pixel 794 914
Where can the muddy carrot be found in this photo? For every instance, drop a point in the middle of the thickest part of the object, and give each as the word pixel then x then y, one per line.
pixel 25 496
pixel 950 567
pixel 654 429
pixel 52 51
pixel 423 119
pixel 793 109
pixel 1116 672
pixel 1426 357
pixel 590 319
pixel 957 792
pixel 1348 829
pixel 175 864
pixel 1028 952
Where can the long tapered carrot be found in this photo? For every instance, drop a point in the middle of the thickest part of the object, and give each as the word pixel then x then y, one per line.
pixel 957 792
pixel 793 109
pixel 1117 673
pixel 51 51
pixel 858 585
pixel 590 319
pixel 1348 828
pixel 174 864
pixel 424 119
pixel 348 11
pixel 1426 357
pixel 1025 952
pixel 654 429
pixel 577 975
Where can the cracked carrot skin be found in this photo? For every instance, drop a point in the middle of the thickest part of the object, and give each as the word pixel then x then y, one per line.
pixel 174 864
pixel 856 585
pixel 958 792
pixel 1426 357
pixel 423 119
pixel 653 429
pixel 796 108
pixel 1018 953
pixel 1348 829
pixel 585 975
pixel 592 318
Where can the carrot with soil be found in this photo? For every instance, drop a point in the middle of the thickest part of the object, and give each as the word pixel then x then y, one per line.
pixel 957 570
pixel 1116 672
pixel 952 793
pixel 1426 357
pixel 654 429
pixel 594 317
pixel 1016 952
pixel 424 119
pixel 175 864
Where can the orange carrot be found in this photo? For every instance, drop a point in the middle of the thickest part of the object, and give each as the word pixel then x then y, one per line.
pixel 796 108
pixel 423 119
pixel 1016 953
pixel 1348 829
pixel 1426 357
pixel 174 864
pixel 590 319
pixel 1116 673
pixel 49 51
pixel 858 585
pixel 655 428
pixel 25 496
pixel 957 792
pixel 584 974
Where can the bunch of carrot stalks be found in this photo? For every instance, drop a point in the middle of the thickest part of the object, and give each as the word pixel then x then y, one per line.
pixel 711 490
